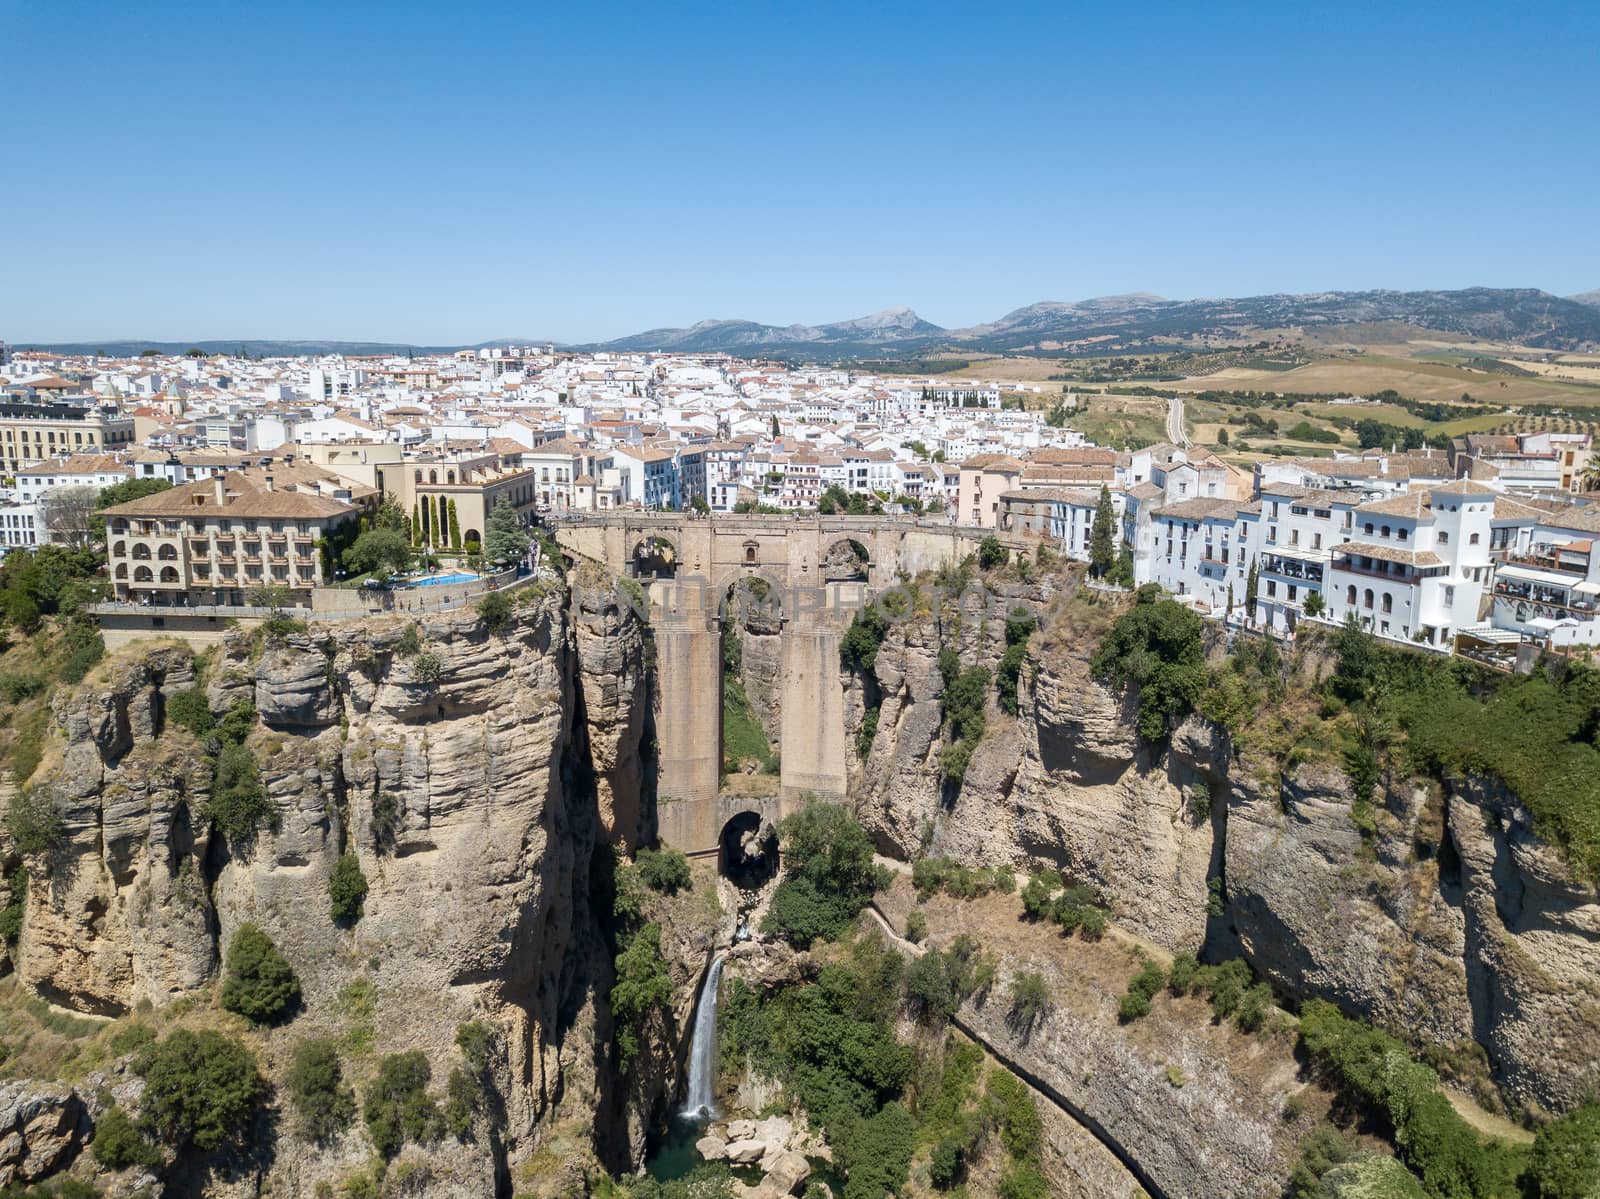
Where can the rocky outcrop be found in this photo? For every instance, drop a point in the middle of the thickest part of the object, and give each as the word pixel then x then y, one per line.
pixel 471 774
pixel 754 622
pixel 1532 932
pixel 42 1127
pixel 614 704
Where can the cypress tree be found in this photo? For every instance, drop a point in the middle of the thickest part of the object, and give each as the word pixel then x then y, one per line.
pixel 454 525
pixel 1250 584
pixel 1102 541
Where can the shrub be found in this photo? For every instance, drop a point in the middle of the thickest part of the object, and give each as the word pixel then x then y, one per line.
pixel 118 1143
pixel 239 805
pixel 1155 646
pixel 945 1165
pixel 930 989
pixel 463 1098
pixel 1142 989
pixel 867 733
pixel 1006 676
pixel 189 710
pixel 18 687
pixel 830 876
pixel 1023 1180
pixel 323 1102
pixel 1030 999
pixel 858 649
pixel 201 1088
pixel 11 916
pixel 410 642
pixel 260 985
pixel 426 669
pixel 1021 1130
pixel 398 1108
pixel 34 823
pixel 665 870
pixel 1227 984
pixel 1254 1007
pixel 991 553
pixel 643 987
pixel 84 647
pixel 1565 1163
pixel 495 609
pixel 916 927
pixel 1005 880
pixel 1093 923
pixel 877 1153
pixel 347 889
pixel 476 1041
pixel 1182 975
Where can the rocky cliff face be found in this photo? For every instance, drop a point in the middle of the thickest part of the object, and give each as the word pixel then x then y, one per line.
pixel 472 774
pixel 1451 922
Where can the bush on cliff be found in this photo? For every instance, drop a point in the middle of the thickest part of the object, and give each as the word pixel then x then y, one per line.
pixel 261 986
pixel 830 876
pixel 201 1088
pixel 347 889
pixel 398 1108
pixel 1375 1072
pixel 1155 646
pixel 323 1102
pixel 665 870
pixel 643 987
pixel 1566 1156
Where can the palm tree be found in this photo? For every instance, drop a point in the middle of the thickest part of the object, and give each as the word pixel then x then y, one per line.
pixel 1590 479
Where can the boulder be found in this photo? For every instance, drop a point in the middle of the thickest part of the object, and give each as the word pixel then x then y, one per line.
pixel 741 1130
pixel 789 1170
pixel 711 1148
pixel 42 1126
pixel 743 1153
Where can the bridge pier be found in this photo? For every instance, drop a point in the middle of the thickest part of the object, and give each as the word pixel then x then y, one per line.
pixel 688 715
pixel 812 729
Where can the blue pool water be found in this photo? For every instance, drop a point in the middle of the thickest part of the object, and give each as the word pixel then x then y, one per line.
pixel 436 580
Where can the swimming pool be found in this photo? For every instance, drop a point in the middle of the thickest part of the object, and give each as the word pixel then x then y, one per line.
pixel 437 580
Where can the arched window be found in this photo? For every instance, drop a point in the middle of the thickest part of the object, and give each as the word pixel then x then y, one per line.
pixel 433 476
pixel 418 475
pixel 1473 540
pixel 120 550
pixel 141 552
pixel 1350 596
pixel 1368 529
pixel 1366 598
pixel 142 574
pixel 1444 538
pixel 1388 603
pixel 169 574
pixel 167 553
pixel 1385 530
pixel 1403 533
pixel 450 476
pixel 122 570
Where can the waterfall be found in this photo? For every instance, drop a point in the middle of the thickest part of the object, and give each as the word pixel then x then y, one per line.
pixel 703 1049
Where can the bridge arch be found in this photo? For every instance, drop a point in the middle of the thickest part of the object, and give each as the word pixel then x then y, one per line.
pixel 846 559
pixel 747 845
pixel 654 556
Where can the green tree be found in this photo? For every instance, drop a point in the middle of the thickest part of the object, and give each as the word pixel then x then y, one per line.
pixel 1252 584
pixel 201 1088
pixel 1102 536
pixel 1156 647
pixel 1565 1163
pixel 776 433
pixel 1030 999
pixel 260 984
pixel 830 878
pixel 347 889
pixel 453 524
pixel 323 1102
pixel 378 550
pixel 118 1143
pixel 398 1108
pixel 699 505
pixel 643 987
pixel 505 540
pixel 991 553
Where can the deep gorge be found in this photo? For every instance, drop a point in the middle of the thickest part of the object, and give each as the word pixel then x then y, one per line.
pixel 496 786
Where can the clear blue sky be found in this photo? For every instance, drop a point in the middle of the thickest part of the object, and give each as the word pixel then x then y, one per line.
pixel 442 172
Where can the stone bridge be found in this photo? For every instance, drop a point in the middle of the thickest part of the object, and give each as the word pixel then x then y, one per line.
pixel 821 570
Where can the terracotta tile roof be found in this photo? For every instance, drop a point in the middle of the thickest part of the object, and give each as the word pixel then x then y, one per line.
pixel 1411 504
pixel 245 495
pixel 1198 509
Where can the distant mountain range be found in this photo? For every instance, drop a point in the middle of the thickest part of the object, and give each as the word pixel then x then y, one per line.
pixel 1113 324
pixel 1107 325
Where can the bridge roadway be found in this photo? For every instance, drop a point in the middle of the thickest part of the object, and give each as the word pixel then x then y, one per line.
pixel 803 560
